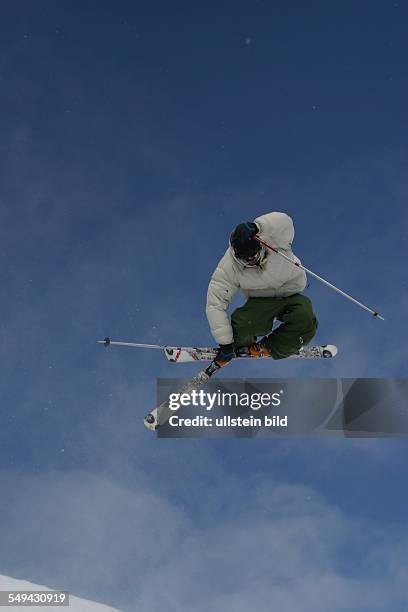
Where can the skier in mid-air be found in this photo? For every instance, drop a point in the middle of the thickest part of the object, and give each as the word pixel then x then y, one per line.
pixel 260 262
pixel 273 287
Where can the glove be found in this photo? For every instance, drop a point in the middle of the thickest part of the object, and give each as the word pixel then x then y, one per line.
pixel 225 354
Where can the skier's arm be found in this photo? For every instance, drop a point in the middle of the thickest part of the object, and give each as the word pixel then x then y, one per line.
pixel 296 281
pixel 221 289
pixel 277 228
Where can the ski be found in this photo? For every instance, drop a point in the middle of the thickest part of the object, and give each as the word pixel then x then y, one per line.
pixel 160 415
pixel 189 354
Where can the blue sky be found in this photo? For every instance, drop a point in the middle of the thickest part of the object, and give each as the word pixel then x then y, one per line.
pixel 134 137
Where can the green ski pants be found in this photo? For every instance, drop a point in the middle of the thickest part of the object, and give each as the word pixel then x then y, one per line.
pixel 256 317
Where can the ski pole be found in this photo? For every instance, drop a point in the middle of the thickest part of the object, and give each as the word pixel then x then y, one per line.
pixel 322 280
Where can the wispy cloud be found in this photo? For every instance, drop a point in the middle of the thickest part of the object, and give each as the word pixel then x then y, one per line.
pixel 268 541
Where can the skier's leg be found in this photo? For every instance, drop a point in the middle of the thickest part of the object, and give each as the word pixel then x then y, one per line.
pixel 254 318
pixel 299 325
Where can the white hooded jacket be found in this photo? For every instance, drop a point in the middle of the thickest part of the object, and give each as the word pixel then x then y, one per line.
pixel 274 277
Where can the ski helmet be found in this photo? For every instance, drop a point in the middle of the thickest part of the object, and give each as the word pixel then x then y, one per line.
pixel 247 250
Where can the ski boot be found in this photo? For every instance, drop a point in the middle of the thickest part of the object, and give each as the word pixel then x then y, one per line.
pixel 255 349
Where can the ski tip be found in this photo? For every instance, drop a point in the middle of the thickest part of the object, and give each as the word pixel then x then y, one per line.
pixel 329 350
pixel 377 315
pixel 150 422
